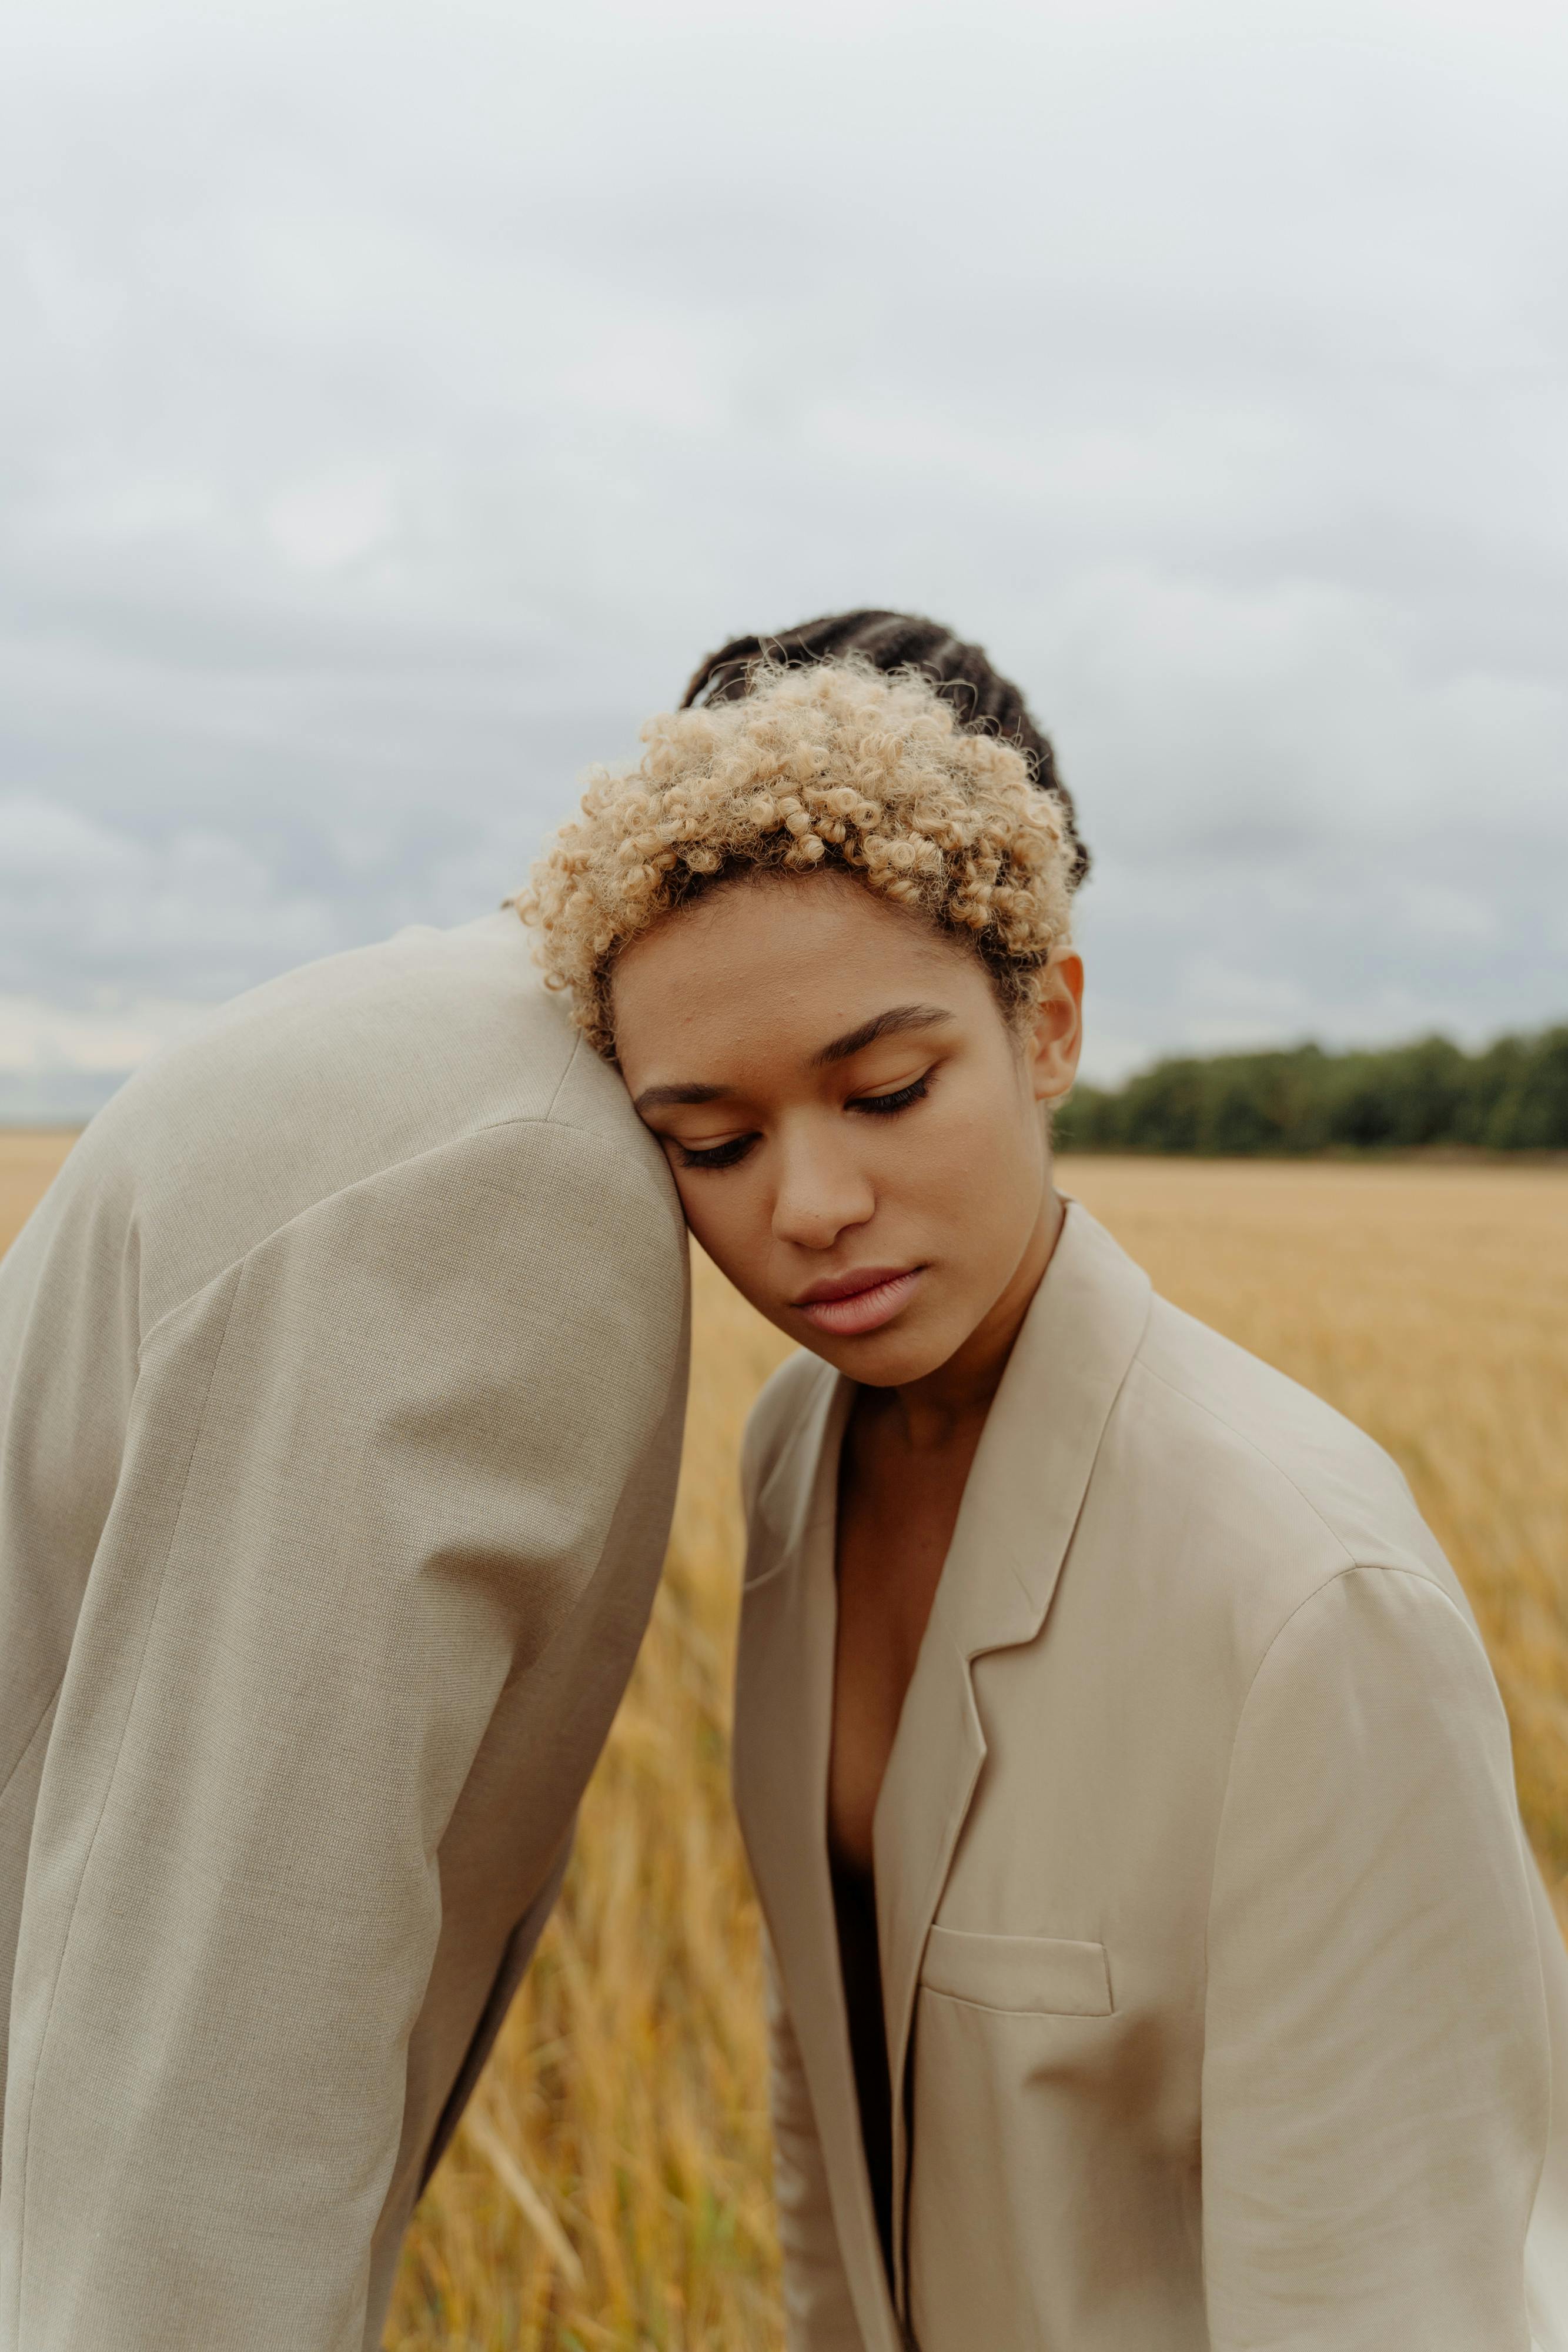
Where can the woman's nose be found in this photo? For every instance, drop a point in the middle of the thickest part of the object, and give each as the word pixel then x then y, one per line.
pixel 821 1194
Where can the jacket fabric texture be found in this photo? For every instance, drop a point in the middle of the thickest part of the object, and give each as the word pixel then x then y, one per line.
pixel 1225 2008
pixel 341 1378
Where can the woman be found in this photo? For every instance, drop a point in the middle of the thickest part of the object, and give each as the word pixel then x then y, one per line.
pixel 1155 1957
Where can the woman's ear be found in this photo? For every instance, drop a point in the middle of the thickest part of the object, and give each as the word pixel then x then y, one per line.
pixel 1055 1037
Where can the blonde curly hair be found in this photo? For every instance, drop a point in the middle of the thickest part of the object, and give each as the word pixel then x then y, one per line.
pixel 837 764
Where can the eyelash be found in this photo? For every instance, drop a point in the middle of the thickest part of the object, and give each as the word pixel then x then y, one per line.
pixel 729 1155
pixel 888 1106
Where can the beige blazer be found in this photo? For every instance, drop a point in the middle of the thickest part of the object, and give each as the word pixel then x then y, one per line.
pixel 341 1378
pixel 1224 2003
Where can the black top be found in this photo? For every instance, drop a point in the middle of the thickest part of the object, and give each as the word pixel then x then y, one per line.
pixel 854 1903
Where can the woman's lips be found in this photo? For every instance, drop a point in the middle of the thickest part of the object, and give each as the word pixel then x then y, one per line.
pixel 847 1313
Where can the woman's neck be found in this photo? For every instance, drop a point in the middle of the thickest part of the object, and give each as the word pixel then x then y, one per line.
pixel 957 1395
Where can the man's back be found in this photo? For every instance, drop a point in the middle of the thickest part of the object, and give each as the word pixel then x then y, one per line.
pixel 340 1386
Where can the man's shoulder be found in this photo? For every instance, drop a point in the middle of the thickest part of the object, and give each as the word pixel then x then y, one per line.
pixel 335 1073
pixel 427 1025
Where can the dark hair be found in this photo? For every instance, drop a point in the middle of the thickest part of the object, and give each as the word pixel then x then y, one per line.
pixel 983 701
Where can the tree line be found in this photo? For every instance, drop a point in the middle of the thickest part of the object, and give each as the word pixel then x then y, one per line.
pixel 1511 1097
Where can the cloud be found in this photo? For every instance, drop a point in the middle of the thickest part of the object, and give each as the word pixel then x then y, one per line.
pixel 403 399
pixel 37 1039
pixel 113 911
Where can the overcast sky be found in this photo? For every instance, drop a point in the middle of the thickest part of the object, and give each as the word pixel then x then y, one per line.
pixel 398 400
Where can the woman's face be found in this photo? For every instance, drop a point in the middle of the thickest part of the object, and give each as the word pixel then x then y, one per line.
pixel 854 1128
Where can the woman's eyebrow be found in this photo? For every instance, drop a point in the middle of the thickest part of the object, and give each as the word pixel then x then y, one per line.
pixel 890 1023
pixel 657 1098
pixel 883 1025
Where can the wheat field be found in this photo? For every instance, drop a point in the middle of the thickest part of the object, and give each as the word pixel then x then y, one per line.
pixel 609 2187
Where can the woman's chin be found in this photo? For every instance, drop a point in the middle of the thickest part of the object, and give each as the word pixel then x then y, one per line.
pixel 889 1359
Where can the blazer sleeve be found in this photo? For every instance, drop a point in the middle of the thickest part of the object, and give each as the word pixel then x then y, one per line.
pixel 1376 2072
pixel 368 1473
pixel 818 2316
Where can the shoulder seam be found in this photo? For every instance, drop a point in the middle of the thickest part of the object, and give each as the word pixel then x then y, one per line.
pixel 566 1068
pixel 1351 1567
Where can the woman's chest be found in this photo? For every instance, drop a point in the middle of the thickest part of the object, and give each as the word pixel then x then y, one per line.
pixel 892 1539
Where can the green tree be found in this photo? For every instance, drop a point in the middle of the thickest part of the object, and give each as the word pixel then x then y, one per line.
pixel 1511 1096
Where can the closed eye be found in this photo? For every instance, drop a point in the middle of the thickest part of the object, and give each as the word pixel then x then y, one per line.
pixel 730 1153
pixel 715 1155
pixel 888 1106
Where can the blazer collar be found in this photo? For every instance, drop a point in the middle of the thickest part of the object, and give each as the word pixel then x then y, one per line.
pixel 1020 1506
pixel 783 1732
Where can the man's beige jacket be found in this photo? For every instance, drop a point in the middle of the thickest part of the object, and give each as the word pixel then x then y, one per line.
pixel 1225 2009
pixel 341 1378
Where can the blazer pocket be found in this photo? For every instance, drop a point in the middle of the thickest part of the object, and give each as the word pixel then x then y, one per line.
pixel 1031 1975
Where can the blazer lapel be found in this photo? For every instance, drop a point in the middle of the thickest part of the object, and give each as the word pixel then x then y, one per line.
pixel 1019 1508
pixel 783 1731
